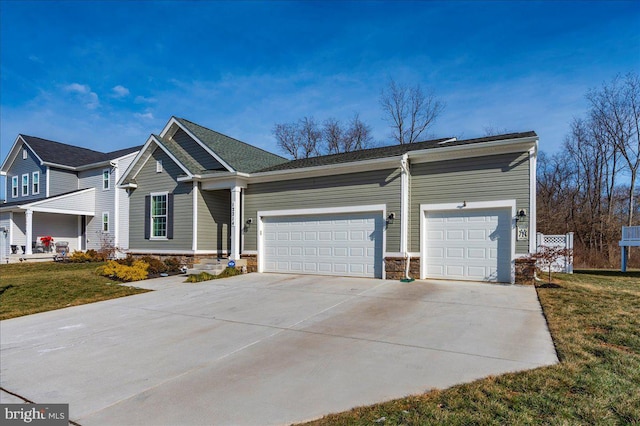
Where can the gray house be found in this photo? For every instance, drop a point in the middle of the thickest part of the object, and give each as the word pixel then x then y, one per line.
pixel 63 191
pixel 446 208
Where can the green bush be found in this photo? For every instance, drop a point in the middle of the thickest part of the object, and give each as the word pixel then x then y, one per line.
pixel 136 272
pixel 156 266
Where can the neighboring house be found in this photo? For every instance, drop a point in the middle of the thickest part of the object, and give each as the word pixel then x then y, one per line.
pixel 459 209
pixel 66 192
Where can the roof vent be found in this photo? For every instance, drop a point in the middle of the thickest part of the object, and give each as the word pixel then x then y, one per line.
pixel 447 141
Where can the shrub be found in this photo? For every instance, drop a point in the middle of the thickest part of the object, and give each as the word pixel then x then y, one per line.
pixel 173 264
pixel 128 261
pixel 156 266
pixel 79 257
pixel 135 272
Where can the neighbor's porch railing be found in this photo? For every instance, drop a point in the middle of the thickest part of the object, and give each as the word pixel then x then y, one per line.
pixel 630 238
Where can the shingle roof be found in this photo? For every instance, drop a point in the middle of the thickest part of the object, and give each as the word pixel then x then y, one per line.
pixel 181 155
pixel 69 155
pixel 386 151
pixel 241 156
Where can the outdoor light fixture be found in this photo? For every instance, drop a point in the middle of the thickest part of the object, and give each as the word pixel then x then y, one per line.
pixel 390 218
pixel 522 214
pixel 249 221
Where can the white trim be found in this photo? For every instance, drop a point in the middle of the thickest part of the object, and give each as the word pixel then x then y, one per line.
pixel 59 197
pixel 28 231
pixel 145 153
pixel 58 211
pixel 11 226
pixel 151 236
pixel 159 168
pixel 116 205
pixel 47 179
pixel 13 153
pixel 15 179
pixel 33 182
pixel 319 211
pixel 250 252
pixel 478 149
pixel 197 140
pixel 169 251
pixel 196 193
pixel 533 187
pixel 79 223
pixel 22 185
pixel 473 205
pixel 226 183
pixel 404 204
pixel 236 194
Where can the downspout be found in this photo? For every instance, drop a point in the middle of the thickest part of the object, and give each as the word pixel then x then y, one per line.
pixel 404 215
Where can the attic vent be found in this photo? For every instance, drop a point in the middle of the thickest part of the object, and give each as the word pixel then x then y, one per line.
pixel 24 153
pixel 447 141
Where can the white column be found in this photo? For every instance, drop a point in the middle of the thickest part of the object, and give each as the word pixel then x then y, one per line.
pixel 404 206
pixel 28 214
pixel 235 223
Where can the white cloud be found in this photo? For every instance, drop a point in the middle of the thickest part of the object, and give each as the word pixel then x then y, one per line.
pixel 89 98
pixel 120 91
pixel 145 116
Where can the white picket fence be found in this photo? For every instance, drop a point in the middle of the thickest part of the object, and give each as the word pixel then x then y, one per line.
pixel 564 264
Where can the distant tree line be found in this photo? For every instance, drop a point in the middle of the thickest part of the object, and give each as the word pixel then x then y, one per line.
pixel 591 186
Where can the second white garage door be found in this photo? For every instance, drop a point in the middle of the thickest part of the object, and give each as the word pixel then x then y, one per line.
pixel 338 244
pixel 468 245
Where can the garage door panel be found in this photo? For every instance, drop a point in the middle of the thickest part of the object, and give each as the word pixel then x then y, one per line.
pixel 468 244
pixel 339 244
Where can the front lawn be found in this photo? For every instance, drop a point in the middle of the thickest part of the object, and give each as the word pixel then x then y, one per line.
pixel 594 318
pixel 28 288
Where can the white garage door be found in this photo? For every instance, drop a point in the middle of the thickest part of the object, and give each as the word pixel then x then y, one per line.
pixel 342 244
pixel 468 245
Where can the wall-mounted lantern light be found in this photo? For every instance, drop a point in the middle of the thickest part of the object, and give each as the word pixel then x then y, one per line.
pixel 391 218
pixel 522 215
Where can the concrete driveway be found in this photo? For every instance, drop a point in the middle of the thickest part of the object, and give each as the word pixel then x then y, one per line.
pixel 264 349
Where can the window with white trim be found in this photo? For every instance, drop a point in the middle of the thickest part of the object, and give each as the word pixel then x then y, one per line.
pixel 35 183
pixel 158 166
pixel 25 155
pixel 25 185
pixel 105 221
pixel 14 186
pixel 159 215
pixel 105 179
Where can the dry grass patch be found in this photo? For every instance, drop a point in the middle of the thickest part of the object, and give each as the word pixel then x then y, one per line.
pixel 28 288
pixel 594 318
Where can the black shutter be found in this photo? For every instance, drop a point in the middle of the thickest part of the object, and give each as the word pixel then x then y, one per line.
pixel 147 217
pixel 170 216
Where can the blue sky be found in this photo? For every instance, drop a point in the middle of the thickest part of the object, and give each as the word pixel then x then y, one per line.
pixel 105 75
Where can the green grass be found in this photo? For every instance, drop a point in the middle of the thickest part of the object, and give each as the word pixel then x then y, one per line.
pixel 28 288
pixel 594 318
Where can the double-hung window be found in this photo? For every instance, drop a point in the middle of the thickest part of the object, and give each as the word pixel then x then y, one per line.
pixel 14 186
pixel 105 179
pixel 158 224
pixel 35 183
pixel 159 216
pixel 105 221
pixel 25 185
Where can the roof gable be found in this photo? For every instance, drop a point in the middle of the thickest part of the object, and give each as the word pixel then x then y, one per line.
pixel 238 155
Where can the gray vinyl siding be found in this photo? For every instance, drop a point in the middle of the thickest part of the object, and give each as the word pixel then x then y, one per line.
pixel 62 181
pixel 105 202
pixel 197 151
pixel 18 229
pixel 214 220
pixel 123 205
pixel 356 189
pixel 149 181
pixel 28 166
pixel 490 178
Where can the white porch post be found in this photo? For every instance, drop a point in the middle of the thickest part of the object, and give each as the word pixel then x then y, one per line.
pixel 235 222
pixel 404 206
pixel 28 214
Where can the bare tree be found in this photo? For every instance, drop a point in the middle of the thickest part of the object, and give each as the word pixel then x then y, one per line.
pixel 409 110
pixel 310 137
pixel 358 135
pixel 615 113
pixel 333 135
pixel 288 138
